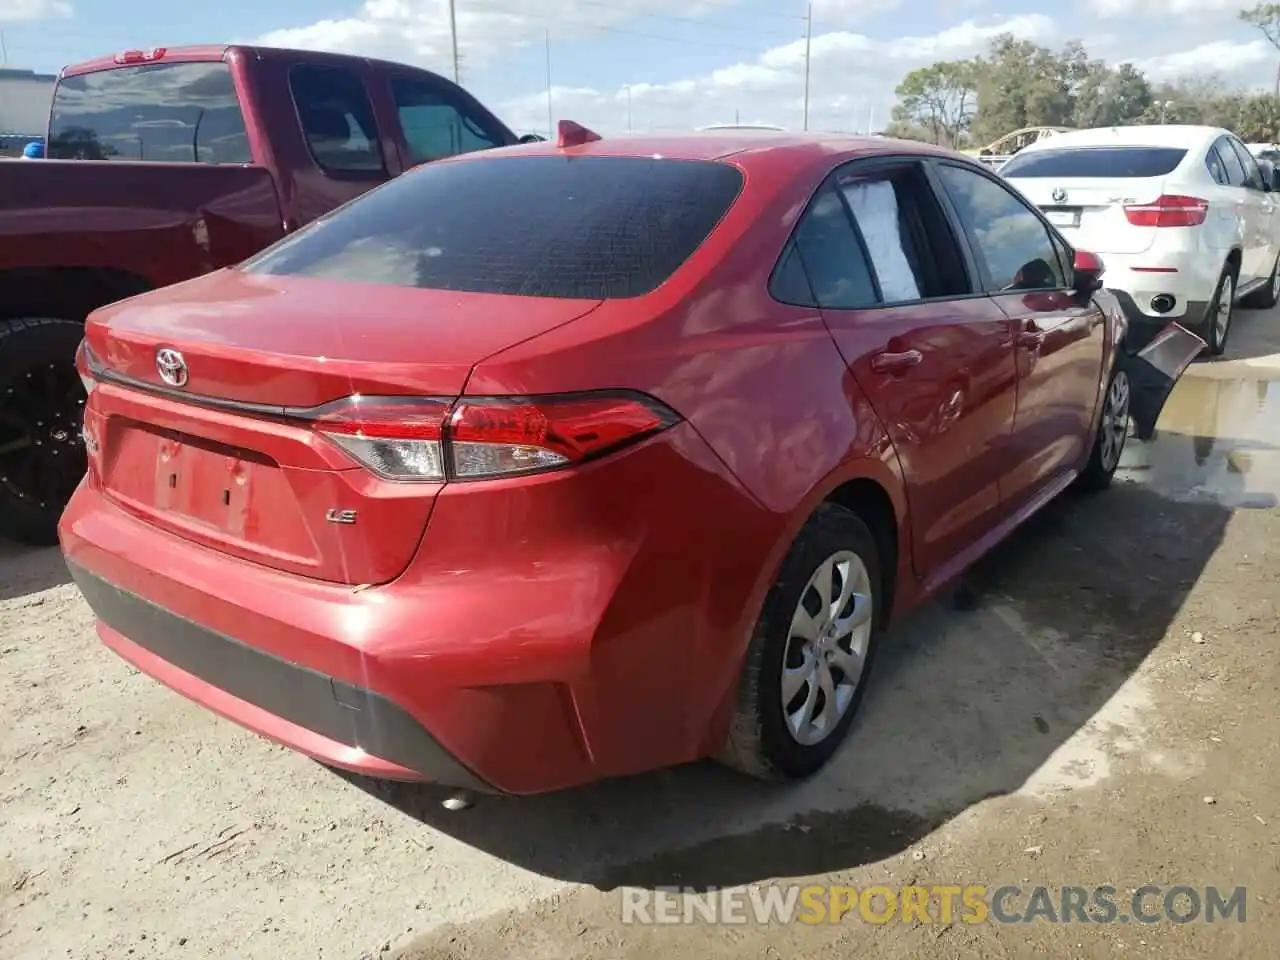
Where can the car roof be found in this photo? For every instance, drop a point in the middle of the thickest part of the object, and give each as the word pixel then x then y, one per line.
pixel 793 151
pixel 1186 136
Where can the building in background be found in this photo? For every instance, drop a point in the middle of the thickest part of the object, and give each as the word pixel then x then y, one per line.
pixel 25 97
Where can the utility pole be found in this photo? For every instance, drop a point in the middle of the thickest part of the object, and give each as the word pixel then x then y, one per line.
pixel 453 36
pixel 808 46
pixel 4 51
pixel 551 124
pixel 628 108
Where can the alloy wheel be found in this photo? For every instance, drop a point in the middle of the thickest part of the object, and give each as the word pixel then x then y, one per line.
pixel 827 647
pixel 1115 421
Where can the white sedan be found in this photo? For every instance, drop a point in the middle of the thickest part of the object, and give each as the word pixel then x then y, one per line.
pixel 1183 217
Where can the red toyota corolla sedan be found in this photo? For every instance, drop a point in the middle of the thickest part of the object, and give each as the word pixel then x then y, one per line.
pixel 578 459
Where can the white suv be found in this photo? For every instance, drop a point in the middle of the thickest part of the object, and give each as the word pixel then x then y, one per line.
pixel 1181 215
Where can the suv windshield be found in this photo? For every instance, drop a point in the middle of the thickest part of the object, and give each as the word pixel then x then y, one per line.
pixel 169 112
pixel 1103 162
pixel 543 226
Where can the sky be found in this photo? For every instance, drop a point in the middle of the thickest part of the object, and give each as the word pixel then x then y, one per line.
pixel 644 65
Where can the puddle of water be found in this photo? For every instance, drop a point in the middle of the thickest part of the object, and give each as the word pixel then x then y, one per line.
pixel 1217 439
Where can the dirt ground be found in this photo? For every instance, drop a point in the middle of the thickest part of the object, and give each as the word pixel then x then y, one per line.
pixel 1102 712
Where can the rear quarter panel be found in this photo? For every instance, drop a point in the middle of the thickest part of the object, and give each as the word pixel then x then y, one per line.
pixel 163 222
pixel 765 387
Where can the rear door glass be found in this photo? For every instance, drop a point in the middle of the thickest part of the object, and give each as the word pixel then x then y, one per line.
pixel 1110 163
pixel 337 120
pixel 166 112
pixel 541 226
pixel 435 125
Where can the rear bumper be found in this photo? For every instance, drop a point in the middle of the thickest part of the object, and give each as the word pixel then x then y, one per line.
pixel 550 631
pixel 1144 325
pixel 340 723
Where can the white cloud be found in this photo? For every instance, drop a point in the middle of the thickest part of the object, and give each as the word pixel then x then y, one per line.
pixel 1238 61
pixel 1161 10
pixel 851 80
pixel 21 11
pixel 417 31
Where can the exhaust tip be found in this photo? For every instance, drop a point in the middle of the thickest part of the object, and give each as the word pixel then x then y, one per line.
pixel 1163 302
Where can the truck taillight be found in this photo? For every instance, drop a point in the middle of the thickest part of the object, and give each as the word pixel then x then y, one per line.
pixel 433 439
pixel 1169 210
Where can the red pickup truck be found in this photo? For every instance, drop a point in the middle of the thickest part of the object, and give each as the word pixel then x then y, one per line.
pixel 196 159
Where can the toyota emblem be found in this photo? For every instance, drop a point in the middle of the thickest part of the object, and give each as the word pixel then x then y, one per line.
pixel 171 367
pixel 1059 195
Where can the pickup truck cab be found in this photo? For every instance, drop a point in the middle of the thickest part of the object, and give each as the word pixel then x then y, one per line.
pixel 163 165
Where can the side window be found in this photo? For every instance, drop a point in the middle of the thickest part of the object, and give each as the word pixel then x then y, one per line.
pixel 337 120
pixel 1252 177
pixel 1217 169
pixel 832 256
pixel 1066 258
pixel 1234 168
pixel 789 283
pixel 1015 246
pixel 434 126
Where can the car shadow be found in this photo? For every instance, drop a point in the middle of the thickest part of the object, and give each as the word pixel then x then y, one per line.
pixel 970 700
pixel 26 570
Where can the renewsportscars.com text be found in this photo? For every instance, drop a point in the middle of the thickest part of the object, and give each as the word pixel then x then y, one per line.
pixel 939 904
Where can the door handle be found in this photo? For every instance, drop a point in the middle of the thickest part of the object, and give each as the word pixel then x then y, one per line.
pixel 1029 336
pixel 888 362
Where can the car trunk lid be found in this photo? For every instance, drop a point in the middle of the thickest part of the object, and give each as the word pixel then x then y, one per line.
pixel 227 458
pixel 1090 212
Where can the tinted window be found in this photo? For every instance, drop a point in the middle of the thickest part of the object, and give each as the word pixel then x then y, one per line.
pixel 1015 246
pixel 832 256
pixel 790 284
pixel 337 119
pixel 434 126
pixel 173 113
pixel 1111 162
pixel 1217 169
pixel 589 227
pixel 1231 163
pixel 1251 175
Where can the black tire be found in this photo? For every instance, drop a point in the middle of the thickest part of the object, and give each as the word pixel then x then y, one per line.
pixel 760 743
pixel 1268 296
pixel 41 405
pixel 1101 468
pixel 1215 339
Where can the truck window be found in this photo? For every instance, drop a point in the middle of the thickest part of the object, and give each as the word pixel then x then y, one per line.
pixel 169 113
pixel 337 120
pixel 434 125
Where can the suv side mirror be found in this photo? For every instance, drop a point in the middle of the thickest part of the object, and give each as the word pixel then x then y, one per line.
pixel 1086 272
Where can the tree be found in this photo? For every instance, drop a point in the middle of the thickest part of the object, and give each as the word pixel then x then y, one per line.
pixel 938 99
pixel 1266 17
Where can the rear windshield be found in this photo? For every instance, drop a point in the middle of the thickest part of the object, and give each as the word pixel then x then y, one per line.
pixel 171 113
pixel 545 226
pixel 1108 162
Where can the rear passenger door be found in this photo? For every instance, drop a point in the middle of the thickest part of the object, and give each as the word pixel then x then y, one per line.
pixel 1247 210
pixel 341 134
pixel 933 358
pixel 1262 208
pixel 1059 336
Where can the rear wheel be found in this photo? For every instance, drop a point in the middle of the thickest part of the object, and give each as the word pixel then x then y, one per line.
pixel 810 655
pixel 42 454
pixel 1217 320
pixel 1113 431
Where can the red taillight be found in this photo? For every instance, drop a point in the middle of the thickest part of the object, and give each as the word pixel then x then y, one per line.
pixel 140 56
pixel 471 439
pixel 1169 210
